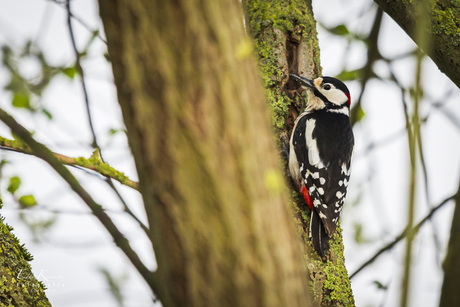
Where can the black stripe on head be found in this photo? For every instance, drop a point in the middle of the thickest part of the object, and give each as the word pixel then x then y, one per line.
pixel 320 95
pixel 337 83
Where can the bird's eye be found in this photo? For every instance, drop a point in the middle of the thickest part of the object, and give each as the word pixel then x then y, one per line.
pixel 327 87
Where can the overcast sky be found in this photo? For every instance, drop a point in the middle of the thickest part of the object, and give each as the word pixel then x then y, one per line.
pixel 67 260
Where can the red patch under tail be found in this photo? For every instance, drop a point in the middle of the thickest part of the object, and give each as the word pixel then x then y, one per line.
pixel 307 197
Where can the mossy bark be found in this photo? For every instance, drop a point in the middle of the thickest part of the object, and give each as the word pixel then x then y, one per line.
pixel 286 42
pixel 199 130
pixel 450 296
pixel 443 31
pixel 18 286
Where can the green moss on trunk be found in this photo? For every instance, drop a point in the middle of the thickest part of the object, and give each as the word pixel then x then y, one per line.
pixel 443 32
pixel 286 42
pixel 18 286
pixel 284 33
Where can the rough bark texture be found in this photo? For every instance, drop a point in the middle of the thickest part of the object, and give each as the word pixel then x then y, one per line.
pixel 18 286
pixel 450 294
pixel 444 32
pixel 200 134
pixel 286 42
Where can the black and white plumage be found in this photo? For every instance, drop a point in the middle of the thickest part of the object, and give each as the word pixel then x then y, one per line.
pixel 321 148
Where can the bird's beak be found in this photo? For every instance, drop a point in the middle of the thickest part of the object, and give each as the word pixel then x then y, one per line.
pixel 304 81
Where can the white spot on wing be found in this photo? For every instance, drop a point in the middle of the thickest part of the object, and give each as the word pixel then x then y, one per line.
pixel 316 202
pixel 322 215
pixel 322 180
pixel 315 175
pixel 339 194
pixel 324 206
pixel 344 169
pixel 340 183
pixel 321 191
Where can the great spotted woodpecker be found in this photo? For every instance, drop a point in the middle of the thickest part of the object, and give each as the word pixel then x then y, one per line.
pixel 321 148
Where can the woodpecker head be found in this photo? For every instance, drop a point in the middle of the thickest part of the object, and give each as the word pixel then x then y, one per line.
pixel 328 93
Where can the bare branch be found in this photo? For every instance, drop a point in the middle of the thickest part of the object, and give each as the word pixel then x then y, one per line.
pixel 402 236
pixel 44 153
pixel 82 76
pixel 83 23
pixel 93 163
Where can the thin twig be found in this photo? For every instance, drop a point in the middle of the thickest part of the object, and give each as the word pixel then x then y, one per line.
pixel 408 127
pixel 373 55
pixel 436 240
pixel 41 151
pixel 380 143
pixel 402 236
pixel 95 143
pixel 83 23
pixel 127 210
pixel 82 76
pixel 413 139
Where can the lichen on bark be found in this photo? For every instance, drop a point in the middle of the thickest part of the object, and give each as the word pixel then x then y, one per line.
pixel 18 286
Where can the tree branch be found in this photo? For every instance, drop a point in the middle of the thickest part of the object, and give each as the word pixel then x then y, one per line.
pixel 41 151
pixel 82 76
pixel 93 163
pixel 373 55
pixel 403 235
pixel 443 31
pixel 83 23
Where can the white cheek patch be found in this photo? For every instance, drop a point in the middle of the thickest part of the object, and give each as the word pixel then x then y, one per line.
pixel 335 96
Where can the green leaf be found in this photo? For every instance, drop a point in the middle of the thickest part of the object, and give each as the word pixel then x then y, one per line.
pixel 21 101
pixel 359 233
pixel 114 131
pixel 379 285
pixel 27 201
pixel 360 114
pixel 47 114
pixel 340 30
pixel 349 75
pixel 70 72
pixel 15 183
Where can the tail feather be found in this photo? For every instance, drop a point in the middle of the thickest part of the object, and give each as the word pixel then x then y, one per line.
pixel 318 235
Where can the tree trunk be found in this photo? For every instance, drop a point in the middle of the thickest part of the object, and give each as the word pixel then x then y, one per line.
pixel 209 174
pixel 444 32
pixel 18 286
pixel 286 42
pixel 450 296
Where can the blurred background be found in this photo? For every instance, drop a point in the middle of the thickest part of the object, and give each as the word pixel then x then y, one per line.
pixel 74 255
